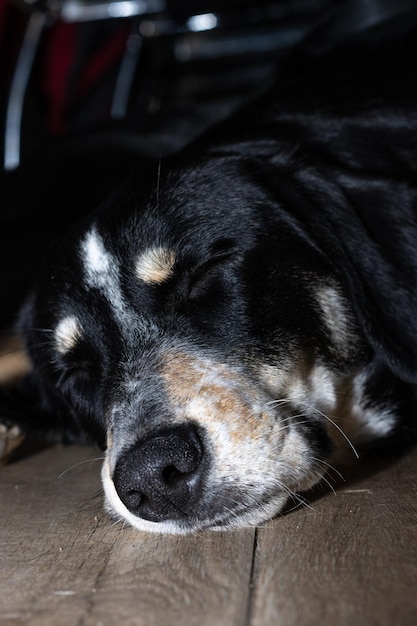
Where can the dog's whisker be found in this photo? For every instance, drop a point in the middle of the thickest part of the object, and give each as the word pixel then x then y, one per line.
pixel 328 467
pixel 329 419
pixel 278 401
pixel 298 503
pixel 323 479
pixel 195 392
pixel 91 461
pixel 45 331
pixel 120 521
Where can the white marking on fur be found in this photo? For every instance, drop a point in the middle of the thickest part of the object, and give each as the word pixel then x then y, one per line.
pixel 100 267
pixel 318 388
pixel 315 384
pixel 336 316
pixel 155 265
pixel 323 395
pixel 67 334
pixel 371 422
pixel 102 273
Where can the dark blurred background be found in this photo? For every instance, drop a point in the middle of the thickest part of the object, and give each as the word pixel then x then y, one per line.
pixel 90 88
pixel 158 70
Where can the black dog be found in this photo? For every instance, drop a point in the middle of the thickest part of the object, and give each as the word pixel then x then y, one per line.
pixel 236 317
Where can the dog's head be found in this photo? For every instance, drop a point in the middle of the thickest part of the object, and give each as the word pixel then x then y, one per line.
pixel 197 333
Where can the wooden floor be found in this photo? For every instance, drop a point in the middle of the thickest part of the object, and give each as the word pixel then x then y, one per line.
pixel 347 559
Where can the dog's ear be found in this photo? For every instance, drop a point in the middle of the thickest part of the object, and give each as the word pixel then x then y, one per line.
pixel 377 248
pixel 368 231
pixel 385 307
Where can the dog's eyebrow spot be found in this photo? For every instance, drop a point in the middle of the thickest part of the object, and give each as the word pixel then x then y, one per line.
pixel 155 265
pixel 67 334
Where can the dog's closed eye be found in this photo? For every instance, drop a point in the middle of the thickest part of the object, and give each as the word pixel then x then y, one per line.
pixel 198 282
pixel 207 272
pixel 74 374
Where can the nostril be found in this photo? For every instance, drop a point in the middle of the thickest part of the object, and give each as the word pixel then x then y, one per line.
pixel 161 476
pixel 171 475
pixel 135 498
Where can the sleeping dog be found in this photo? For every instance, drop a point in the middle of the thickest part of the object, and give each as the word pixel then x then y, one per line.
pixel 235 319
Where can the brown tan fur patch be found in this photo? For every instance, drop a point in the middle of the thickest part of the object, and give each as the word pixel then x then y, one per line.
pixel 155 265
pixel 211 393
pixel 67 334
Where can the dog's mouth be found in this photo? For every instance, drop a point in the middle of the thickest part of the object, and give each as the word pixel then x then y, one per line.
pixel 219 509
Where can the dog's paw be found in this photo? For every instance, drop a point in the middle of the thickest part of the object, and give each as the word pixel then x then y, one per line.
pixel 11 436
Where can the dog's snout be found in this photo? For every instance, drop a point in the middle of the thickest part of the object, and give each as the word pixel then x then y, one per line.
pixel 160 478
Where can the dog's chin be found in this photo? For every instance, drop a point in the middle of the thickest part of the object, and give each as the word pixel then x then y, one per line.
pixel 243 516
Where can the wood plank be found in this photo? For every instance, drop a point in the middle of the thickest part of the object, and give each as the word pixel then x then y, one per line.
pixel 351 559
pixel 14 363
pixel 64 562
pixel 199 580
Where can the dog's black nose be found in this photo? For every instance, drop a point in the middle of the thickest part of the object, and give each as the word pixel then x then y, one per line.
pixel 160 478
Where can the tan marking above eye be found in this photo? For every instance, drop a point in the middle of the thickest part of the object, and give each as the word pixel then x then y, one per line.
pixel 155 265
pixel 67 334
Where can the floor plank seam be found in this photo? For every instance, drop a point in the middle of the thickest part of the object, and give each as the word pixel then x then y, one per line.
pixel 251 592
pixel 91 601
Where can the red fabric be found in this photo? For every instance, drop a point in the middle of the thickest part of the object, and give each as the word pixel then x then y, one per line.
pixel 65 84
pixel 97 66
pixel 58 59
